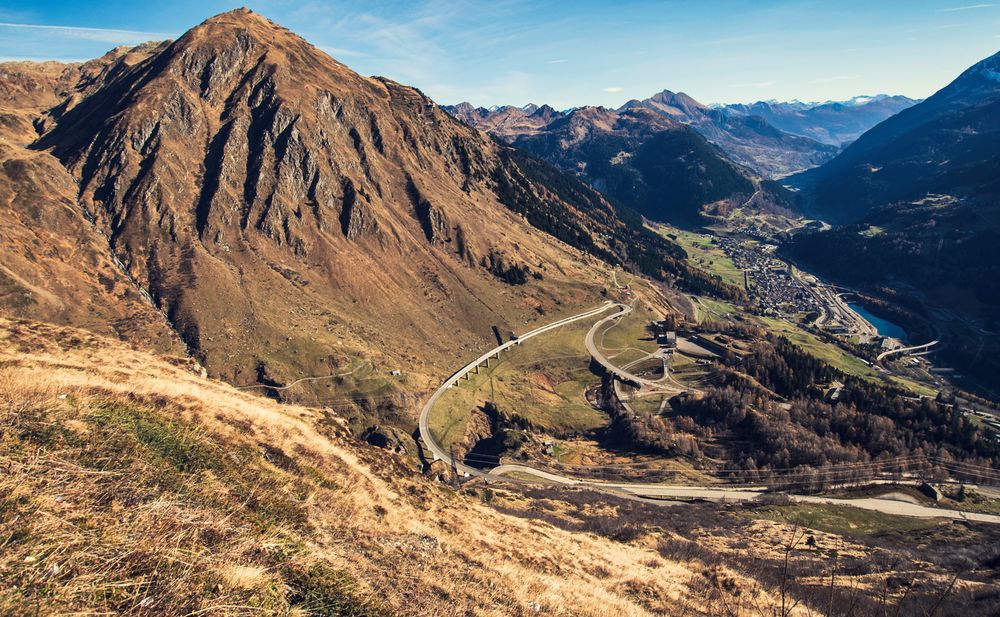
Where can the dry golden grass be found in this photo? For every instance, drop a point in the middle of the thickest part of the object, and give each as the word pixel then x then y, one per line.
pixel 131 485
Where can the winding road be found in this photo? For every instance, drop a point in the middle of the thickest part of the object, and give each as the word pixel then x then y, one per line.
pixel 705 493
pixel 618 372
pixel 645 490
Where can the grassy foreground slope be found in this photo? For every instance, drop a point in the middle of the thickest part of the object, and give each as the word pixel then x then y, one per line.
pixel 132 485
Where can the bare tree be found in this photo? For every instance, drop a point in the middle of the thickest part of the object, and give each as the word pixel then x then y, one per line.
pixel 787 606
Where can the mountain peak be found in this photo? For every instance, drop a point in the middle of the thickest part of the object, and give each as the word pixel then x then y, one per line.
pixel 676 98
pixel 544 111
pixel 242 18
pixel 241 148
pixel 242 28
pixel 241 14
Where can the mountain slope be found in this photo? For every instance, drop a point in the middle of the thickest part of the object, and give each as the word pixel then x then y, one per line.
pixel 289 216
pixel 918 196
pixel 661 168
pixel 133 485
pixel 945 144
pixel 54 264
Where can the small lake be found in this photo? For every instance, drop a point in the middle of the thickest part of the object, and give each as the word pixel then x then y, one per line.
pixel 884 326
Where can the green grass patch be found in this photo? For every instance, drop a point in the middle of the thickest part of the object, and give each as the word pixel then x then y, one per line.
pixel 871 231
pixel 914 386
pixel 844 520
pixel 170 440
pixel 715 310
pixel 828 352
pixel 628 333
pixel 176 457
pixel 705 254
pixel 976 502
pixel 325 591
pixel 686 371
pixel 627 356
pixel 650 404
pixel 160 508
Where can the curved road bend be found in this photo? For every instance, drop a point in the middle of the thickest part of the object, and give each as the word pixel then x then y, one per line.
pixel 652 490
pixel 425 432
pixel 620 373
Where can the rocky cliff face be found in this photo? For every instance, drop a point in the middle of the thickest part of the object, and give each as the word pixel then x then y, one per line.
pixel 286 214
pixel 55 265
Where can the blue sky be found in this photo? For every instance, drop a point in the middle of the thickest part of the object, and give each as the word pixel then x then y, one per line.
pixel 575 53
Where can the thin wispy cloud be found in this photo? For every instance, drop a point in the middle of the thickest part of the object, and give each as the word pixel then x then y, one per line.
pixel 338 52
pixel 970 7
pixel 828 80
pixel 557 61
pixel 613 89
pixel 104 35
pixel 38 59
pixel 754 84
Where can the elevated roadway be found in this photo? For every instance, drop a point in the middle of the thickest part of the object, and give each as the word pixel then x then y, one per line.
pixel 425 433
pixel 905 350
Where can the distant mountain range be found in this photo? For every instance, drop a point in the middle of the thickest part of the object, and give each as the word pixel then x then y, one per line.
pixel 748 140
pixel 771 138
pixel 649 161
pixel 833 123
